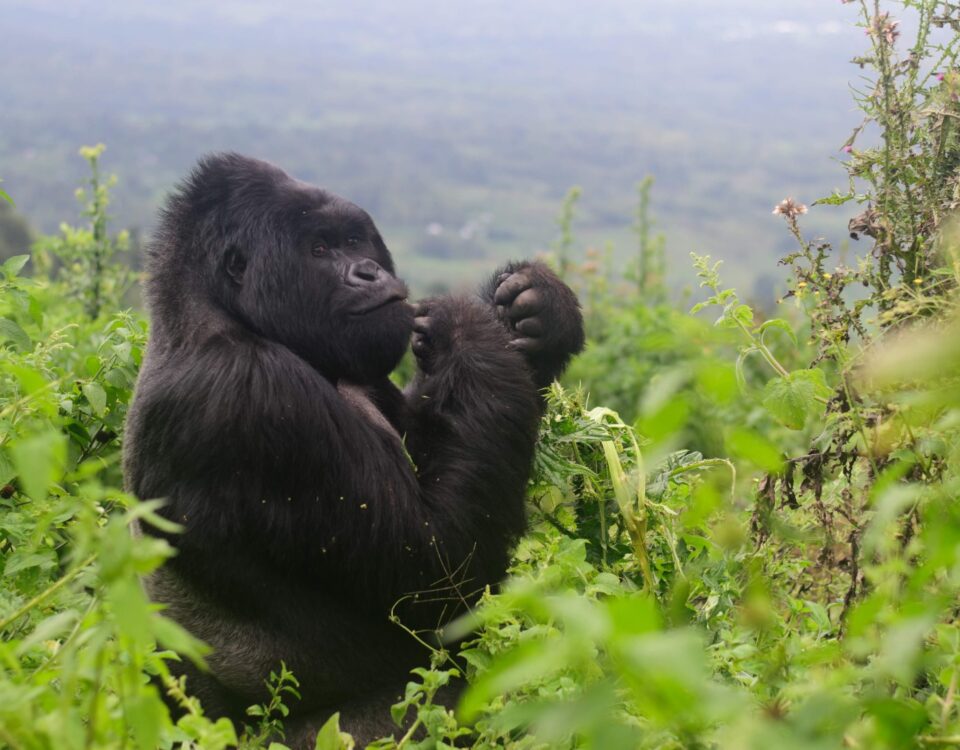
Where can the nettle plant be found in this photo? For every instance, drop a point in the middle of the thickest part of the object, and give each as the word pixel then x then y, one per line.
pixel 83 258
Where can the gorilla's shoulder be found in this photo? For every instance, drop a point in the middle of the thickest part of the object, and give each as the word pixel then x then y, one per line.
pixel 224 370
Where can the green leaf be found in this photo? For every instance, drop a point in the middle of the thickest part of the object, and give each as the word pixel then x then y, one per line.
pixel 50 629
pixel 131 608
pixel 45 560
pixel 10 331
pixel 782 325
pixel 174 637
pixel 328 738
pixel 835 199
pixel 743 314
pixel 748 444
pixel 39 459
pixel 14 264
pixel 7 470
pixel 793 398
pixel 6 196
pixel 145 714
pixel 92 365
pixel 96 396
pixel 525 664
pixel 819 615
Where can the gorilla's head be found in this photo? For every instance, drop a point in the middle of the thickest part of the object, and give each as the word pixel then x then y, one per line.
pixel 291 262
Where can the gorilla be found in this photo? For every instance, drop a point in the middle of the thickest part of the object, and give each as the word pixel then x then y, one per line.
pixel 314 497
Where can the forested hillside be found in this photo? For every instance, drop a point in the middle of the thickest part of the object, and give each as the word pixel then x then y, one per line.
pixel 474 123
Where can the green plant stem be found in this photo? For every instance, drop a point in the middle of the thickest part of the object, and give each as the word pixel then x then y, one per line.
pixel 764 351
pixel 707 462
pixel 409 735
pixel 95 699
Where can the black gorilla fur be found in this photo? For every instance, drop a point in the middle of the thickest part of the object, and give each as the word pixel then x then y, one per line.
pixel 313 494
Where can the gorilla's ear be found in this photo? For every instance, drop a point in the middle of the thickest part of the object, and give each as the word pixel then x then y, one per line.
pixel 234 264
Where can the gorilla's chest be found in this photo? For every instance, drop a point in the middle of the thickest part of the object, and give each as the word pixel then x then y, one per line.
pixel 358 398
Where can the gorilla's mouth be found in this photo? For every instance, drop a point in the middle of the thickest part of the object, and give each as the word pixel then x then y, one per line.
pixel 379 305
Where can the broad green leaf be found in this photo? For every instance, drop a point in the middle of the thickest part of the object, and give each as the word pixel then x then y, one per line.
pixel 743 314
pixel 96 396
pixel 525 664
pixel 45 560
pixel 6 196
pixel 14 264
pixel 30 380
pixel 39 459
pixel 48 629
pixel 10 331
pixel 130 608
pixel 328 738
pixel 793 398
pixel 145 714
pixel 751 445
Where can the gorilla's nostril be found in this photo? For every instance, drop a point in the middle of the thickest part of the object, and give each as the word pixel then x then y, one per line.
pixel 363 272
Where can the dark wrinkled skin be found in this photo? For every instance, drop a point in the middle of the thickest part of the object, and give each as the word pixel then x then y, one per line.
pixel 313 494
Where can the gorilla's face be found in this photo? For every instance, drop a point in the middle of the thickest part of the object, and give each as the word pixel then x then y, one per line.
pixel 316 277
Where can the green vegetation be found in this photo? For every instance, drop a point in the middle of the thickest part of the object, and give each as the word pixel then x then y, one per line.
pixel 746 536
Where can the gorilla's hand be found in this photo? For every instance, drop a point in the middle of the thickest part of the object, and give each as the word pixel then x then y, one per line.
pixel 427 335
pixel 452 331
pixel 542 315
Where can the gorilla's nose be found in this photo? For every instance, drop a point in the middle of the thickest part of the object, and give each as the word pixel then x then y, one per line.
pixel 364 272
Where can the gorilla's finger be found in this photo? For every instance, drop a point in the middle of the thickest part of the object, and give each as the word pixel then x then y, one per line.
pixel 526 304
pixel 419 345
pixel 510 288
pixel 526 345
pixel 503 277
pixel 530 327
pixel 422 325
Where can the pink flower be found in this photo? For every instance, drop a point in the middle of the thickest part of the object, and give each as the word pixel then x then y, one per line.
pixel 848 149
pixel 883 25
pixel 941 76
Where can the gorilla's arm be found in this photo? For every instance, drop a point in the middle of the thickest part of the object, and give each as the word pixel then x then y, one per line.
pixel 298 481
pixel 541 314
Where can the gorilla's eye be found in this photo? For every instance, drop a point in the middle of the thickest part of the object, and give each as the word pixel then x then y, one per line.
pixel 353 240
pixel 319 250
